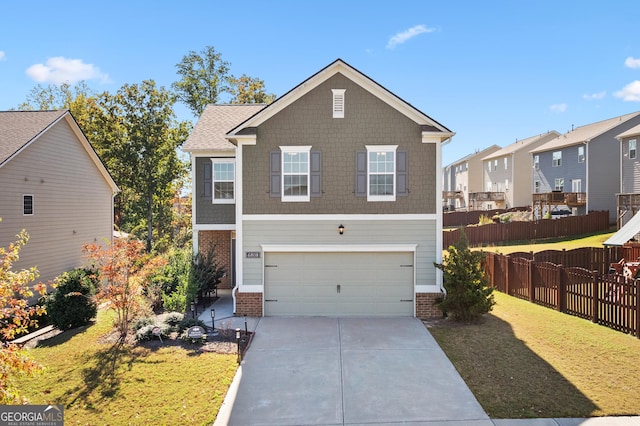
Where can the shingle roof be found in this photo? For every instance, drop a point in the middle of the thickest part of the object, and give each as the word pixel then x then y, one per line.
pixel 584 133
pixel 18 128
pixel 518 145
pixel 634 131
pixel 214 123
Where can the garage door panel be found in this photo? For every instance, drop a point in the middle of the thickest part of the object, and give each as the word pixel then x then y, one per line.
pixel 339 284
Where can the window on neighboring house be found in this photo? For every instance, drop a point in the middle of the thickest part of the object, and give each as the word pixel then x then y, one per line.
pixel 489 186
pixel 489 165
pixel 506 163
pixel 581 154
pixel 338 103
pixel 498 187
pixel 506 184
pixel 536 187
pixel 632 148
pixel 559 184
pixel 495 164
pixel 576 185
pixel 27 205
pixel 223 180
pixel 536 162
pixel 557 159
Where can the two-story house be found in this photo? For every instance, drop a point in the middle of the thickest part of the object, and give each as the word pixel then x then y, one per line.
pixel 628 198
pixel 580 169
pixel 52 184
pixel 506 176
pixel 462 177
pixel 333 199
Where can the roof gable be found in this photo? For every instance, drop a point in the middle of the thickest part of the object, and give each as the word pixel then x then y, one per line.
pixel 340 67
pixel 520 145
pixel 19 129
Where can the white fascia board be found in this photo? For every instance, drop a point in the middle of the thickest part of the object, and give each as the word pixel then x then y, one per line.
pixel 242 140
pixel 334 217
pixel 212 153
pixel 437 137
pixel 214 227
pixel 338 248
pixel 428 289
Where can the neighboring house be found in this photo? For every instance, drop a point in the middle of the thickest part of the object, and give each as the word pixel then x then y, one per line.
pixel 580 170
pixel 463 177
pixel 506 175
pixel 331 196
pixel 52 184
pixel 628 198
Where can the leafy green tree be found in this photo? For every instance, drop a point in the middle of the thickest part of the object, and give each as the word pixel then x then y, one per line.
pixel 204 77
pixel 468 296
pixel 249 90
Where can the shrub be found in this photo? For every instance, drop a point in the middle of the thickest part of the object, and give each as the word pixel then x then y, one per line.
pixel 173 320
pixel 468 296
pixel 189 322
pixel 140 322
pixel 146 332
pixel 73 303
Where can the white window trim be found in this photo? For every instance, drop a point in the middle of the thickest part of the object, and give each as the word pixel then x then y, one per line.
pixel 581 157
pixel 382 148
pixel 635 149
pixel 296 198
pixel 536 162
pixel 33 205
pixel 338 102
pixel 556 162
pixel 556 186
pixel 215 200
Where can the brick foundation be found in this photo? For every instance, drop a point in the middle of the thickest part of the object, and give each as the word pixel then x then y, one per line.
pixel 249 304
pixel 222 242
pixel 426 307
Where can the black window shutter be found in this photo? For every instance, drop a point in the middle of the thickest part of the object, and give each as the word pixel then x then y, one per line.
pixel 402 174
pixel 361 173
pixel 315 172
pixel 276 174
pixel 207 180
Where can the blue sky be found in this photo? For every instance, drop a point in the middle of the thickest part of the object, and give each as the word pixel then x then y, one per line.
pixel 491 71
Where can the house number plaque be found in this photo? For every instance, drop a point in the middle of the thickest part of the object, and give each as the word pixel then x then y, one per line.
pixel 253 255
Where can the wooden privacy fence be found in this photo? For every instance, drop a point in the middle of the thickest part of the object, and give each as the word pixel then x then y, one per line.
pixel 611 300
pixel 528 231
pixel 450 219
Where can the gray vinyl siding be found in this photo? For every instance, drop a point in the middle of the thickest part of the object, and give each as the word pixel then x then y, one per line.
pixel 569 170
pixel 206 211
pixel 630 168
pixel 320 232
pixel 367 121
pixel 72 202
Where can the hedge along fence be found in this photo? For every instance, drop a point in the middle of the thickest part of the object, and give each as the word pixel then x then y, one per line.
pixel 611 300
pixel 593 222
pixel 452 219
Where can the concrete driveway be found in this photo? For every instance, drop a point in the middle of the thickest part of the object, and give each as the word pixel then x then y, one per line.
pixel 347 371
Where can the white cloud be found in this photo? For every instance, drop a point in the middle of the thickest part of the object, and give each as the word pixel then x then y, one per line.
pixel 407 35
pixel 1 55
pixel 631 62
pixel 594 96
pixel 60 70
pixel 558 108
pixel 630 92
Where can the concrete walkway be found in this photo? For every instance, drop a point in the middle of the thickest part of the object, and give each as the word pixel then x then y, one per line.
pixel 352 371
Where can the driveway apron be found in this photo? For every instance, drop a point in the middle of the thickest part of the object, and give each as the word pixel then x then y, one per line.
pixel 349 371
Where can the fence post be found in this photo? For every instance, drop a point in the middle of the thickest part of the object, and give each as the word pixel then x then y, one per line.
pixel 638 309
pixel 562 291
pixel 530 279
pixel 595 301
pixel 506 278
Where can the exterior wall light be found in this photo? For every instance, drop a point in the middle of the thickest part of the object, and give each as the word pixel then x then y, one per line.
pixel 341 229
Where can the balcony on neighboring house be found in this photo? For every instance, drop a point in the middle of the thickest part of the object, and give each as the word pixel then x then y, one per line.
pixel 555 198
pixel 477 200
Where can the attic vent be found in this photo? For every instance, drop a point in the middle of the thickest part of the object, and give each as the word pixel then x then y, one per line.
pixel 338 103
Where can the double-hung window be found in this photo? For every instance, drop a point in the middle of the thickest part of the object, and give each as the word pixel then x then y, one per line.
pixel 581 154
pixel 295 173
pixel 557 159
pixel 224 174
pixel 632 149
pixel 536 162
pixel 559 184
pixel 381 172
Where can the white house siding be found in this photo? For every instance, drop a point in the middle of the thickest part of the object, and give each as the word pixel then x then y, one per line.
pixel 325 232
pixel 72 202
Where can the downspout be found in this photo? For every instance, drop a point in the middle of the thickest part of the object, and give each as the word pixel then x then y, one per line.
pixel 239 195
pixel 194 231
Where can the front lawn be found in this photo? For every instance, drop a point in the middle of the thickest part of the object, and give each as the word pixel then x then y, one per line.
pixel 524 360
pixel 102 383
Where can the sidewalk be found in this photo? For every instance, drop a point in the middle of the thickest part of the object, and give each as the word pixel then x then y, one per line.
pixel 225 317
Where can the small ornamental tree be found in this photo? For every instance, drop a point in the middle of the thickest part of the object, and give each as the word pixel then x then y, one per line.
pixel 15 318
pixel 123 268
pixel 468 296
pixel 73 303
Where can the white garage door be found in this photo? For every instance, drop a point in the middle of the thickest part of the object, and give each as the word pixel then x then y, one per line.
pixel 340 284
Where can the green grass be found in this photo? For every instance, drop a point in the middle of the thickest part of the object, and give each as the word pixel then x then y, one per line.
pixel 567 244
pixel 99 383
pixel 524 360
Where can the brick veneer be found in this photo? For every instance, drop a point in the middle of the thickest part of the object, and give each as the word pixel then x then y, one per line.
pixel 249 304
pixel 222 242
pixel 426 307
